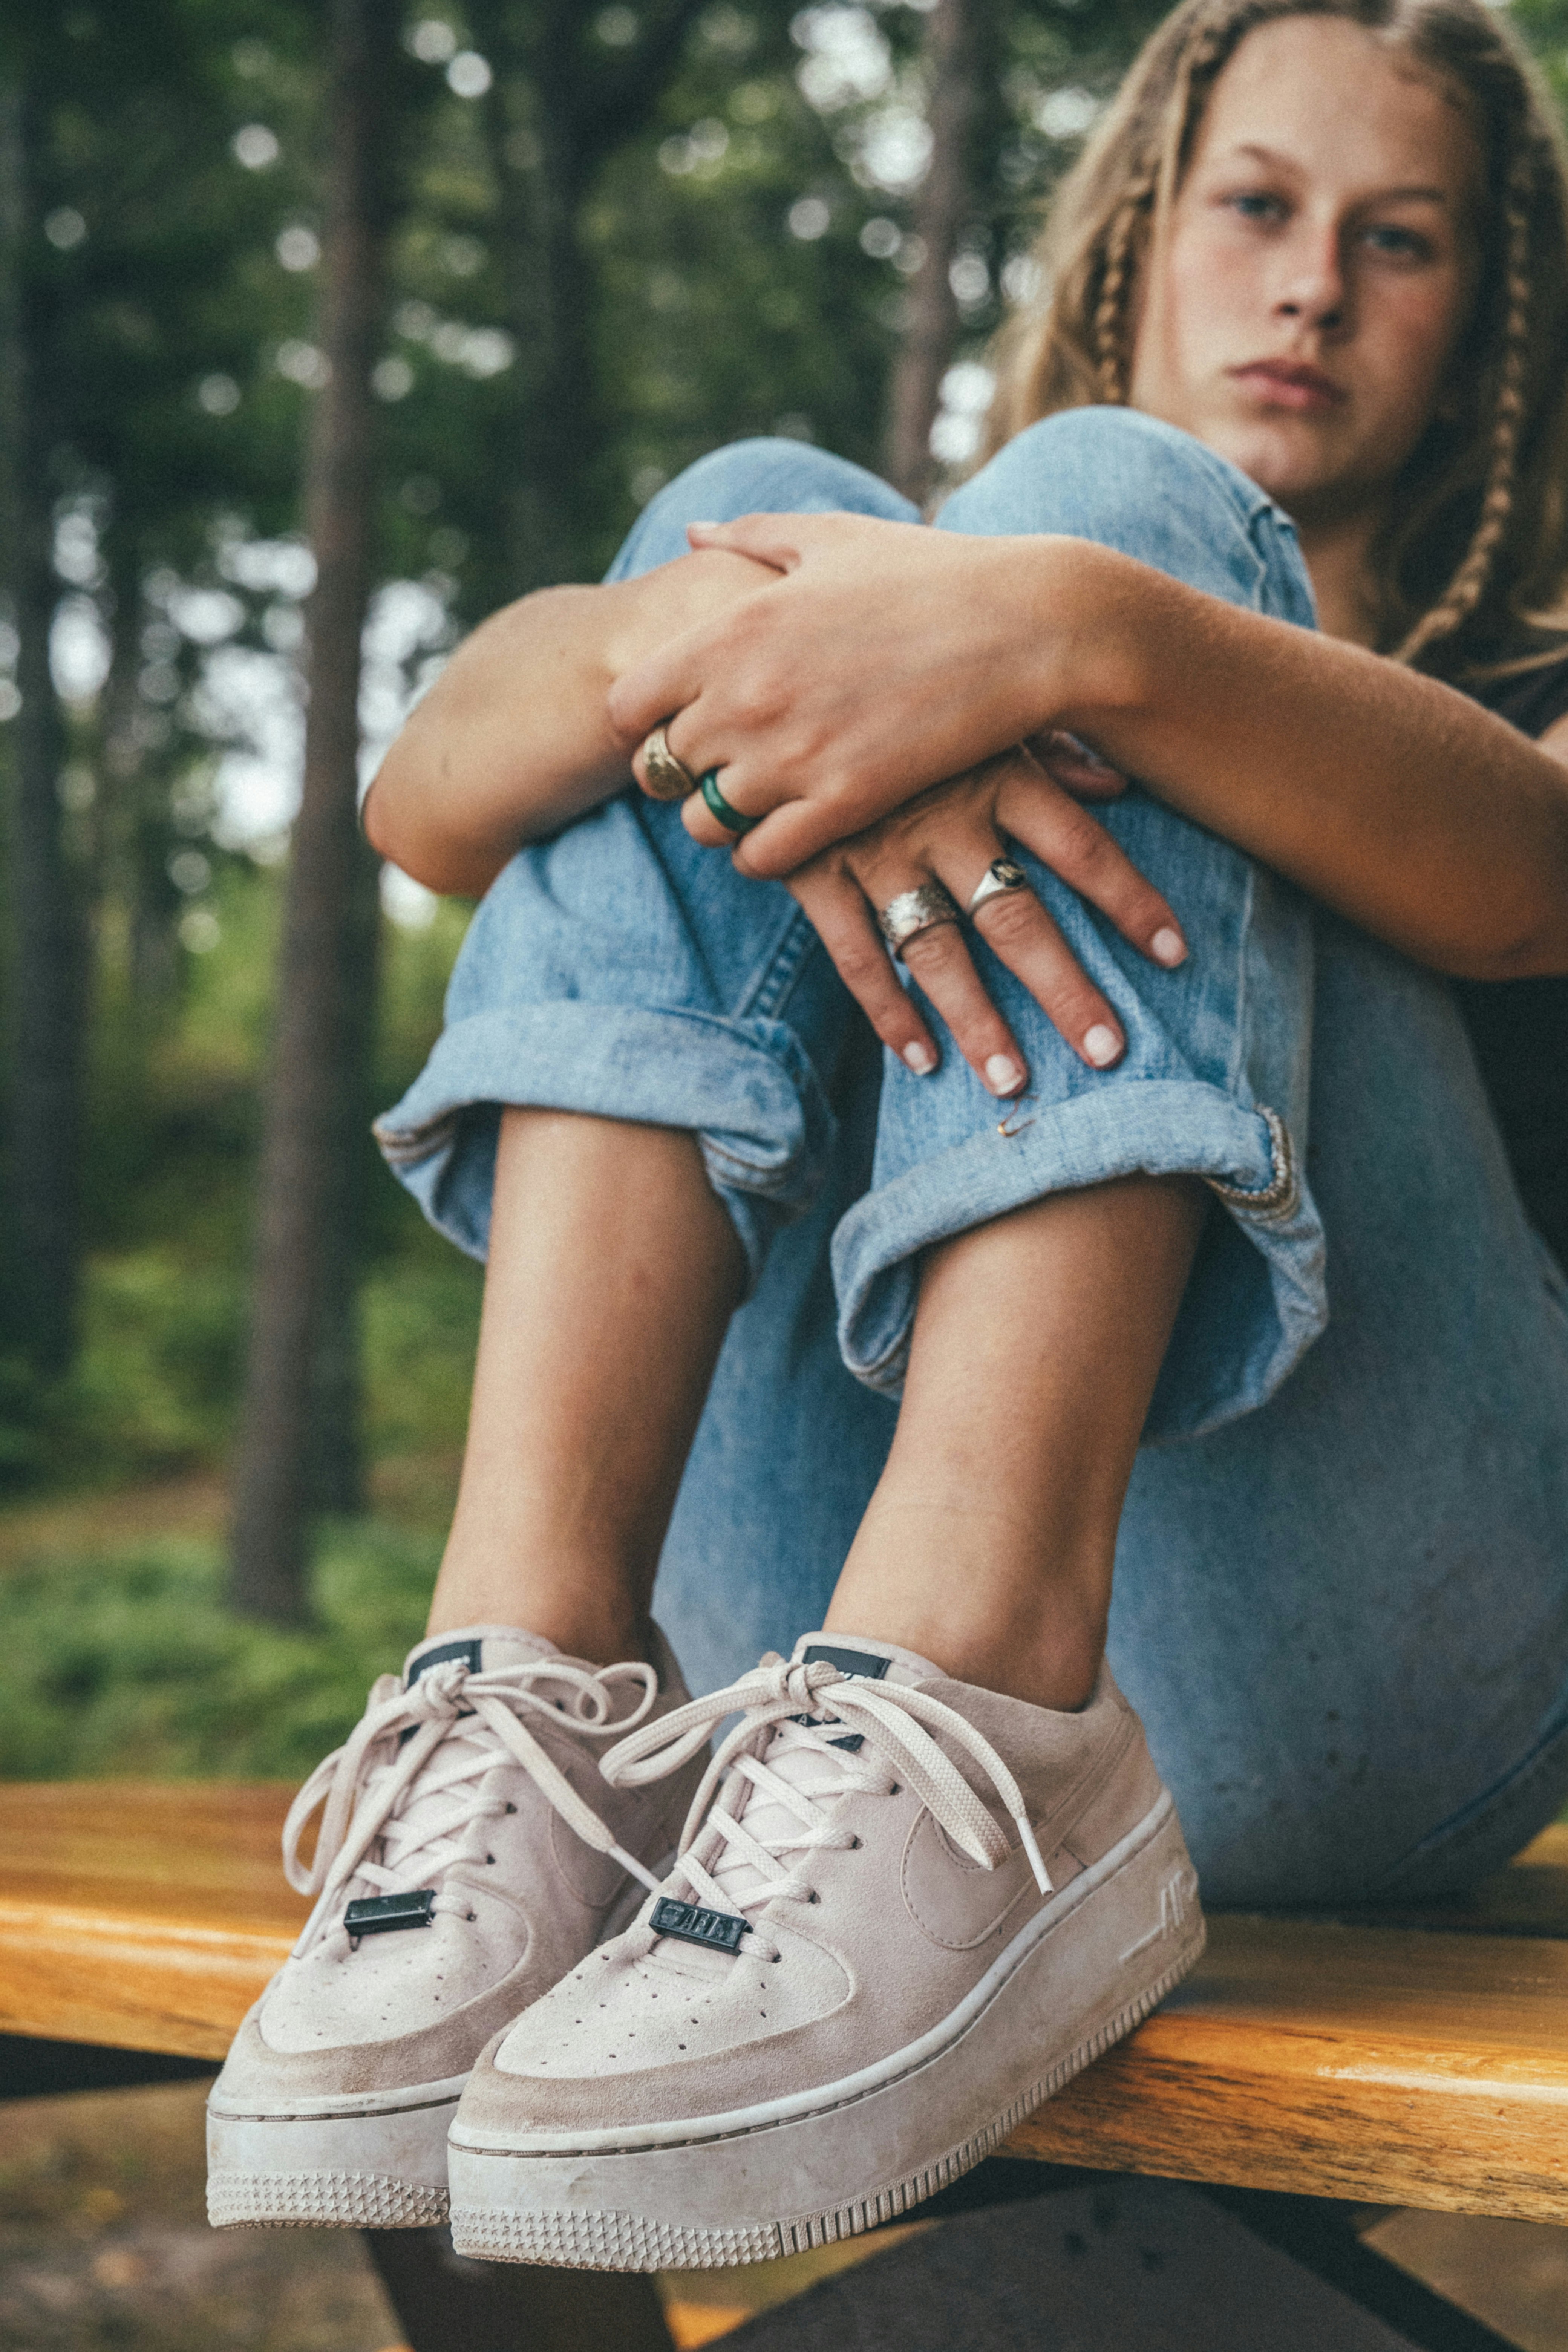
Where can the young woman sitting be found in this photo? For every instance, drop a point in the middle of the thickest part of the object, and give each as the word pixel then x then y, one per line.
pixel 1172 1238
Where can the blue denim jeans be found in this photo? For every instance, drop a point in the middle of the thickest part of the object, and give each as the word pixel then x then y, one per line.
pixel 1341 1597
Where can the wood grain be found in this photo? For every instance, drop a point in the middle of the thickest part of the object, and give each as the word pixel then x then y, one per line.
pixel 147 1915
pixel 1418 2063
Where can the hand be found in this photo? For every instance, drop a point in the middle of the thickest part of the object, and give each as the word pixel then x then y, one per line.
pixel 886 657
pixel 951 833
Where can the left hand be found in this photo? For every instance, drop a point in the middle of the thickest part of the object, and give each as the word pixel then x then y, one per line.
pixel 885 657
pixel 951 833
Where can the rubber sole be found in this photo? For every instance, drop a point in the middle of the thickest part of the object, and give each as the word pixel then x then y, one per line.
pixel 814 2168
pixel 379 2164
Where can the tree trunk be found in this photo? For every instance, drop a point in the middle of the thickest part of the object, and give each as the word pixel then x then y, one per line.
pixel 942 210
pixel 536 154
pixel 46 978
pixel 298 1446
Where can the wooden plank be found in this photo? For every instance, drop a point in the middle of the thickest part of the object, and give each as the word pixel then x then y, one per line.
pixel 1400 2067
pixel 1424 2064
pixel 147 1915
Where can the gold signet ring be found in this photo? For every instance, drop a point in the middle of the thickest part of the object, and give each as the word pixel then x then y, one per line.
pixel 669 778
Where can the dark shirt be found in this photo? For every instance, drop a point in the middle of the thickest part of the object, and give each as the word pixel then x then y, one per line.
pixel 1519 1028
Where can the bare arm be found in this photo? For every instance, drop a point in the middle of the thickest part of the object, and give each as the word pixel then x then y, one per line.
pixel 1396 800
pixel 513 742
pixel 891 656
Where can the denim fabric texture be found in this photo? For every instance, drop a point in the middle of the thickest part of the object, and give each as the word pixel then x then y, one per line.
pixel 1342 1598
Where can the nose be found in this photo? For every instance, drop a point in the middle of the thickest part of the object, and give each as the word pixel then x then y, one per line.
pixel 1312 282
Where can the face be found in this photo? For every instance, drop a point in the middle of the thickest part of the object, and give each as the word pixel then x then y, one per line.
pixel 1318 268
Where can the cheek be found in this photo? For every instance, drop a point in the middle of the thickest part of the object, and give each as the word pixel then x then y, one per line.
pixel 1190 323
pixel 1415 341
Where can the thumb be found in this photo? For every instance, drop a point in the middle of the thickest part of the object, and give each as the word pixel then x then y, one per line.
pixel 768 539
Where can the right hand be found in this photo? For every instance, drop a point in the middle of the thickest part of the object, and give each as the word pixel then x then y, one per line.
pixel 951 833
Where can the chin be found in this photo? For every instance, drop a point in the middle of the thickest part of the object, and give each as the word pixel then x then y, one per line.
pixel 1293 468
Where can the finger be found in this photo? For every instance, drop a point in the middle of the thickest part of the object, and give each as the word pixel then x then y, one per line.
pixel 1080 850
pixel 767 537
pixel 940 963
pixel 1017 928
pixel 836 907
pixel 705 824
pixel 670 680
pixel 1075 767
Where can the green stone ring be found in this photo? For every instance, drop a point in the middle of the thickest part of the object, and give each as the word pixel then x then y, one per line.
pixel 719 807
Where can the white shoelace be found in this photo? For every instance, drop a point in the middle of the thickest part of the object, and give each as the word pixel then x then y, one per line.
pixel 890 1717
pixel 471 1715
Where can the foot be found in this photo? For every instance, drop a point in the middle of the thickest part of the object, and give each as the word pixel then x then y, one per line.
pixel 469 1856
pixel 912 1910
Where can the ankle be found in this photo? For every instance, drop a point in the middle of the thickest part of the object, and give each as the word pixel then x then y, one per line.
pixel 603 1627
pixel 1056 1669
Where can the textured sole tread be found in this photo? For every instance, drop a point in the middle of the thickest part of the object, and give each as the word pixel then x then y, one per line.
pixel 607 2240
pixel 315 2200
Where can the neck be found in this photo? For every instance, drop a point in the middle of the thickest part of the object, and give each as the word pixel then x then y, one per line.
pixel 1337 553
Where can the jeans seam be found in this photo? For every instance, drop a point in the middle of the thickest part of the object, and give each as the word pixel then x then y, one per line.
pixel 780 973
pixel 1277 1201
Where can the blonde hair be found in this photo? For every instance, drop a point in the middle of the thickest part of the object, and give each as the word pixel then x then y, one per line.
pixel 1472 565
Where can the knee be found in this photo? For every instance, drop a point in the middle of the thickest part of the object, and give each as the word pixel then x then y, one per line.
pixel 1131 482
pixel 776 477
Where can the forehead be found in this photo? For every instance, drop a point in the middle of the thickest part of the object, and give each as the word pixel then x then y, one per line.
pixel 1342 105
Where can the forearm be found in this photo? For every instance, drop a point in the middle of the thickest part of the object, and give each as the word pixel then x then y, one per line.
pixel 1397 801
pixel 512 742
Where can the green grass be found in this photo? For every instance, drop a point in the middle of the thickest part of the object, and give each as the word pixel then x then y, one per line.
pixel 131 1665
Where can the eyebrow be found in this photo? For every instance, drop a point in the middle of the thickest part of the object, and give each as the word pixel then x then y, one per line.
pixel 1417 194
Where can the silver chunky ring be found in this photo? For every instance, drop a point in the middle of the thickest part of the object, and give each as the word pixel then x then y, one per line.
pixel 913 911
pixel 1002 875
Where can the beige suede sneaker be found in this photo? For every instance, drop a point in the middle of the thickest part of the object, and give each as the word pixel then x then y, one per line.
pixel 906 1911
pixel 469 1854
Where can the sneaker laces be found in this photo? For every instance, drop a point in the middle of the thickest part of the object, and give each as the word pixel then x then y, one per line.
pixel 783 1721
pixel 470 1714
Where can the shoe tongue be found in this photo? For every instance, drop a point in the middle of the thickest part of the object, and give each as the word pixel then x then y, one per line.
pixel 814 1770
pixel 882 1661
pixel 483 1649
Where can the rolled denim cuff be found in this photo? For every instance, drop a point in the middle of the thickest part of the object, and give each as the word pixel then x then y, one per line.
pixel 745 1088
pixel 1256 1301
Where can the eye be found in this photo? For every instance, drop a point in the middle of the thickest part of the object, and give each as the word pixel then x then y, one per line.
pixel 1387 239
pixel 1256 204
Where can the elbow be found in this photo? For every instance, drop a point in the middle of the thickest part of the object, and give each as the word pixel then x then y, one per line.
pixel 393 835
pixel 1536 951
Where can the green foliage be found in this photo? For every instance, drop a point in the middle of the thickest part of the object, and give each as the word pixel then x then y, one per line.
pixel 133 1665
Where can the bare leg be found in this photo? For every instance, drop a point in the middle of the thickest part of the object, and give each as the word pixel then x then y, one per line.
pixel 989 1544
pixel 614 1270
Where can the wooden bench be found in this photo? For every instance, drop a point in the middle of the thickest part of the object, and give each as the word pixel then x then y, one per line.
pixel 1419 2060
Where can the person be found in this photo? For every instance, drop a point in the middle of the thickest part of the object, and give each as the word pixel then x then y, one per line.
pixel 1171 1238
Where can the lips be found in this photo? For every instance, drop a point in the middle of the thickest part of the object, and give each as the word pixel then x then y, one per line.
pixel 1289 383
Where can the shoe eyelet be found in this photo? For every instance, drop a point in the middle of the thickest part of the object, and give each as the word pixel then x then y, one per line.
pixel 856 1843
pixel 509 1806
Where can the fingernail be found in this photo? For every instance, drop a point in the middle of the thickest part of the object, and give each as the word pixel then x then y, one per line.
pixel 1101 1045
pixel 921 1059
pixel 702 526
pixel 1003 1075
pixel 1168 947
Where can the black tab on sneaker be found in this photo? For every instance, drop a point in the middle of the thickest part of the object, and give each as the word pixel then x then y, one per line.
pixel 378 1915
pixel 719 1930
pixel 865 1663
pixel 470 1653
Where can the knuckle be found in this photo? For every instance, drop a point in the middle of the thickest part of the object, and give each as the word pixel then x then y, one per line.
pixel 862 969
pixel 1011 920
pixel 936 948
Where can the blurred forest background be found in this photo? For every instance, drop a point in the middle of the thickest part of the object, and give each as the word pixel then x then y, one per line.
pixel 324 329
